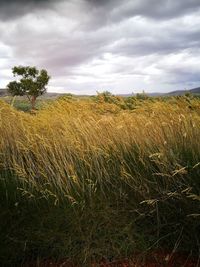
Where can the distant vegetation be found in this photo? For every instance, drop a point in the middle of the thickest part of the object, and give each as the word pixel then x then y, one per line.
pixel 121 102
pixel 101 177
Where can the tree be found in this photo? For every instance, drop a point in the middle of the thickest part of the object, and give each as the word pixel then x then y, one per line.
pixel 31 84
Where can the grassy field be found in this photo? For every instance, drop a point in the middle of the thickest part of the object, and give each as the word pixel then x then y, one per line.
pixel 99 178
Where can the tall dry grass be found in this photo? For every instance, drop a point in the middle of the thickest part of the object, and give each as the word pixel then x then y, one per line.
pixel 85 180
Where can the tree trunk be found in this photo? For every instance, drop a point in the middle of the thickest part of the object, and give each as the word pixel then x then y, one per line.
pixel 33 100
pixel 13 101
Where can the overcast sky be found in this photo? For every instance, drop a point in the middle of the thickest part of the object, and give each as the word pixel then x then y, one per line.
pixel 122 46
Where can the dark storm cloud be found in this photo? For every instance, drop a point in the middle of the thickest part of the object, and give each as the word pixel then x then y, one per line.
pixel 99 2
pixel 108 12
pixel 162 9
pixel 10 9
pixel 105 11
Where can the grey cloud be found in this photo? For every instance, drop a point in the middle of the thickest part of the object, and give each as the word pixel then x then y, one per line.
pixel 16 8
pixel 99 3
pixel 147 45
pixel 109 12
pixel 156 9
pixel 103 12
pixel 139 35
pixel 185 77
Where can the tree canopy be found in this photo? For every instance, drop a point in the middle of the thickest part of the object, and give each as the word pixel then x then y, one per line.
pixel 32 82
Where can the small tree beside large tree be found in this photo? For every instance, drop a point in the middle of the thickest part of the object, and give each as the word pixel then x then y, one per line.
pixel 31 84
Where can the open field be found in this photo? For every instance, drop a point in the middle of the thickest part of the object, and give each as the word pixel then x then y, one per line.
pixel 99 178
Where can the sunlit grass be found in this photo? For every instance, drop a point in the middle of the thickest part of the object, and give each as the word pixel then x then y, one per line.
pixel 88 180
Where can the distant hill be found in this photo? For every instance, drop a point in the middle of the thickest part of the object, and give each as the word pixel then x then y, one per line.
pixel 182 92
pixel 155 94
pixel 47 95
pixel 195 91
pixel 3 92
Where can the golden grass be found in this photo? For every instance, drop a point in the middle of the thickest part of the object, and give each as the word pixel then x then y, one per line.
pixel 49 145
pixel 108 164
